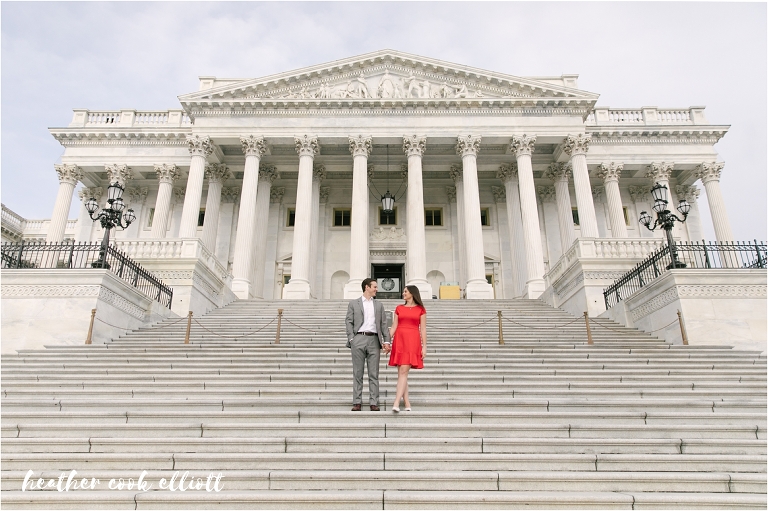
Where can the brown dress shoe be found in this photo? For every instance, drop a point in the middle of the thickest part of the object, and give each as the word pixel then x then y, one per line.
pixel 375 408
pixel 356 408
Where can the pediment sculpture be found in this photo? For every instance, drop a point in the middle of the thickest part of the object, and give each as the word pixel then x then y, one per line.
pixel 388 234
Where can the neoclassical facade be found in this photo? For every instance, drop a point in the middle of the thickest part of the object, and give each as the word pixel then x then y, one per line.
pixel 271 187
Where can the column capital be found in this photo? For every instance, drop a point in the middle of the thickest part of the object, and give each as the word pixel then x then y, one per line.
pixel 230 194
pixel 371 168
pixel 199 145
pixel 455 172
pixel 708 171
pixel 639 193
pixel 404 170
pixel 306 145
pixel 598 192
pixel 546 193
pixel 689 193
pixel 414 145
pixel 451 191
pixel 276 195
pixel 499 194
pixel 610 172
pixel 268 173
pixel 253 145
pixel 522 145
pixel 118 173
pixel 659 171
pixel 318 172
pixel 86 193
pixel 167 173
pixel 217 172
pixel 136 195
pixel 178 195
pixel 325 191
pixel 468 145
pixel 360 145
pixel 558 172
pixel 507 171
pixel 576 144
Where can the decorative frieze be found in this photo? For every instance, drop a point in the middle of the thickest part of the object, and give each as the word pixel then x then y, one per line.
pixel 199 145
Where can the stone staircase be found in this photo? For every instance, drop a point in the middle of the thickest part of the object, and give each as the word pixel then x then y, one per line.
pixel 544 421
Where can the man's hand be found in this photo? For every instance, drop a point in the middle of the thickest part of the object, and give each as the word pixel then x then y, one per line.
pixel 387 347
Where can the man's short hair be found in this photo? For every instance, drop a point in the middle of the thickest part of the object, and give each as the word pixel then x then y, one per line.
pixel 367 283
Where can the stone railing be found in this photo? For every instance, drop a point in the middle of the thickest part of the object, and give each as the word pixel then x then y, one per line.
pixel 599 248
pixel 130 118
pixel 12 221
pixel 646 116
pixel 40 227
pixel 172 248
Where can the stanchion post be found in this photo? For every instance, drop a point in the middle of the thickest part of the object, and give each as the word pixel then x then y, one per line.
pixel 589 332
pixel 90 327
pixel 279 323
pixel 501 329
pixel 189 327
pixel 682 328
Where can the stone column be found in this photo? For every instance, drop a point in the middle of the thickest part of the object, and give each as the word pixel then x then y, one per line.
pixel 166 175
pixel 709 173
pixel 216 173
pixel 522 148
pixel 84 222
pixel 576 147
pixel 318 175
pixel 559 173
pixel 693 224
pixel 299 286
pixel 267 175
pixel 359 269
pixel 322 229
pixel 505 283
pixel 225 241
pixel 660 173
pixel 477 287
pixel 610 175
pixel 69 175
pixel 455 243
pixel 254 148
pixel 508 175
pixel 416 243
pixel 199 148
pixel 273 283
pixel 456 175
pixel 135 199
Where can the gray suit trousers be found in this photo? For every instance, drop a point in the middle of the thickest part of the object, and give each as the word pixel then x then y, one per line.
pixel 365 348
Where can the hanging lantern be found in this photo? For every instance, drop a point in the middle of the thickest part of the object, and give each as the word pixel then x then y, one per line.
pixel 387 203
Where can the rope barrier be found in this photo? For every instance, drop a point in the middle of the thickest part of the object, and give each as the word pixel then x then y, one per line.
pixel 329 332
pixel 603 326
pixel 251 332
pixel 662 328
pixel 462 328
pixel 541 328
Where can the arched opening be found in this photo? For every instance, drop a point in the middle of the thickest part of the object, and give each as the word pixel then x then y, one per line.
pixel 434 278
pixel 338 280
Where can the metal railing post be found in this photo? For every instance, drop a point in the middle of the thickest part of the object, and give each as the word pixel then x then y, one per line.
pixel 682 327
pixel 90 327
pixel 279 324
pixel 189 326
pixel 589 332
pixel 501 330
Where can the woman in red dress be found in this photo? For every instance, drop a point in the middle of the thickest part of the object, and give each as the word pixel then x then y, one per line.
pixel 409 342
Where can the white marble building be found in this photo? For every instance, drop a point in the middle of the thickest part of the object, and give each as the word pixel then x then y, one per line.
pixel 511 186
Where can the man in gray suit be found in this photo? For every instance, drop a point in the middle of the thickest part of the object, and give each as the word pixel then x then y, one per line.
pixel 367 333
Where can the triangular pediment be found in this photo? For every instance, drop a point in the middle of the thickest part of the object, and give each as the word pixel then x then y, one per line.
pixel 386 75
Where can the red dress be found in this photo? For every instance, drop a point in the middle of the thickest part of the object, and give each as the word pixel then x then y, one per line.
pixel 406 346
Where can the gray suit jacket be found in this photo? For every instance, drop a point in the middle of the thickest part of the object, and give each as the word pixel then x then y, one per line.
pixel 356 317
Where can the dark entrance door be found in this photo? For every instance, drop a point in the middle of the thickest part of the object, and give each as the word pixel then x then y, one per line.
pixel 391 279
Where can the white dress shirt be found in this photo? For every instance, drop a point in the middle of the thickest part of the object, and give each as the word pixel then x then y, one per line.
pixel 369 315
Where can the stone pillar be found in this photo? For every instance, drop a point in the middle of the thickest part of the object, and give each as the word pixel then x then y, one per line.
pixel 477 286
pixel 267 175
pixel 69 175
pixel 456 175
pixel 299 286
pixel 559 173
pixel 225 242
pixel 522 147
pixel 322 229
pixel 660 173
pixel 693 224
pixel 416 264
pixel 318 175
pixel 456 246
pixel 135 199
pixel 576 147
pixel 505 283
pixel 610 175
pixel 199 148
pixel 709 173
pixel 216 173
pixel 166 175
pixel 508 175
pixel 254 148
pixel 273 283
pixel 359 269
pixel 84 222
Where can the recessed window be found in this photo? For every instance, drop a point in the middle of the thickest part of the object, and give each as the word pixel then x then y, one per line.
pixel 433 216
pixel 201 217
pixel 151 217
pixel 575 213
pixel 286 279
pixel 342 217
pixel 485 217
pixel 387 218
pixel 291 218
pixel 626 215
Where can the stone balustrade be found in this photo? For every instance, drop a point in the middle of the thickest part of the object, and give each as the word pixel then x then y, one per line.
pixel 646 116
pixel 172 248
pixel 12 220
pixel 130 118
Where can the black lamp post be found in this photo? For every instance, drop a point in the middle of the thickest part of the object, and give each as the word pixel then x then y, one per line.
pixel 665 219
pixel 110 217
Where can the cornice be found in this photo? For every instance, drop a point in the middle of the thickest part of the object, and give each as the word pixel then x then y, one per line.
pixel 119 137
pixel 607 135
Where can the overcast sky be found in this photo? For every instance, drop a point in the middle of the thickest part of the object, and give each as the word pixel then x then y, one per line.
pixel 60 56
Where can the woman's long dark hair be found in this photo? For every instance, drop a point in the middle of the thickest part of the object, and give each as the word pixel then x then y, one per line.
pixel 416 295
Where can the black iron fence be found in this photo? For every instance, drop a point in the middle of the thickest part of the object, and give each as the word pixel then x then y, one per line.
pixel 692 255
pixel 85 255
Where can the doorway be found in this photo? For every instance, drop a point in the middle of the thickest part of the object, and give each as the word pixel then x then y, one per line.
pixel 391 279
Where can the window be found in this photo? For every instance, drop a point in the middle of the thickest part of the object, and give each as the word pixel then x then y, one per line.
pixel 342 217
pixel 201 217
pixel 485 217
pixel 433 216
pixel 286 279
pixel 151 217
pixel 575 213
pixel 291 219
pixel 626 215
pixel 387 219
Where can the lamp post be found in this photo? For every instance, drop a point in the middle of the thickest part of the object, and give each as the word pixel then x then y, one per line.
pixel 110 217
pixel 665 219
